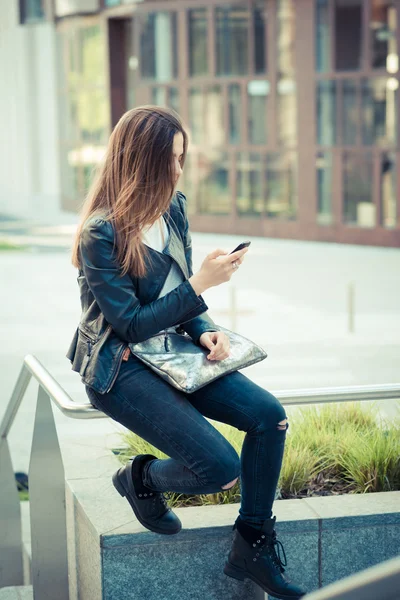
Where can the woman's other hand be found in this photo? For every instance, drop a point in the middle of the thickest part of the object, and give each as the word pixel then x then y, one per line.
pixel 218 344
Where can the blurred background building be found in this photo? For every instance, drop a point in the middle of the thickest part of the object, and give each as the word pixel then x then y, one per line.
pixel 292 108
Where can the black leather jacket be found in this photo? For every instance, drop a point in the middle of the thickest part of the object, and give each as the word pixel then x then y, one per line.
pixel 120 310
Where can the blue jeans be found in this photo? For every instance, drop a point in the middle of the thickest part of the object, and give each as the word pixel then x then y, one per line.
pixel 201 460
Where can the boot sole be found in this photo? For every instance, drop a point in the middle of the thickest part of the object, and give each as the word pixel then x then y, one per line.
pixel 125 493
pixel 241 575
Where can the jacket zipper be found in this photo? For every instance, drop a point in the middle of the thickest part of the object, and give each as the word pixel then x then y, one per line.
pixel 116 370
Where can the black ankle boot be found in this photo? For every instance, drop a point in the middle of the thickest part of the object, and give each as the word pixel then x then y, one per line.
pixel 257 557
pixel 150 507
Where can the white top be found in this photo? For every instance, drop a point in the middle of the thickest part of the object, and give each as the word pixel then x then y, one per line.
pixel 156 237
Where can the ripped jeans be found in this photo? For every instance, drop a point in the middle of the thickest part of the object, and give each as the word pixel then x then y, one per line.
pixel 201 460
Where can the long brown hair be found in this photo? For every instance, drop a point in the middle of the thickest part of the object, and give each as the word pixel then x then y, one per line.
pixel 135 182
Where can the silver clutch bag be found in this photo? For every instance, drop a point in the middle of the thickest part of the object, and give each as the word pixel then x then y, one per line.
pixel 183 364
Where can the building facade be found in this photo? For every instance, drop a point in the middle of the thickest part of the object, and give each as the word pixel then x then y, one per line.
pixel 292 106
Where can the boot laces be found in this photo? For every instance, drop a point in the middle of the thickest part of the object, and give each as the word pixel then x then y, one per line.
pixel 163 498
pixel 273 547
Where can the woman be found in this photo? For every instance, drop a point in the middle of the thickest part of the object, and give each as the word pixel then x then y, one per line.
pixel 133 252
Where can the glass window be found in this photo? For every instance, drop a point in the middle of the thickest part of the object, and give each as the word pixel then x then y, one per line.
pixel 196 114
pixel 257 92
pixel 249 176
pixel 214 116
pixel 83 108
pixel 198 55
pixel 158 46
pixel 326 113
pixel 159 96
pixel 162 96
pixel 358 208
pixel 281 179
pixel 324 188
pixel 235 112
pixel 348 35
pixel 350 113
pixel 259 25
pixel 383 35
pixel 322 37
pixel 379 111
pixel 286 30
pixel 287 112
pixel 232 40
pixel 388 189
pixel 31 11
pixel 173 96
pixel 214 194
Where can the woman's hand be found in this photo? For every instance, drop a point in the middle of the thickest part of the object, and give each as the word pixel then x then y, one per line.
pixel 217 342
pixel 217 268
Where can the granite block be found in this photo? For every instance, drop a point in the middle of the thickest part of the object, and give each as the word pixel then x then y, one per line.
pixel 348 551
pixel 392 541
pixel 173 570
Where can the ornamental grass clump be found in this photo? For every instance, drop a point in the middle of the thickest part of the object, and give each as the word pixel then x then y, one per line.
pixel 330 449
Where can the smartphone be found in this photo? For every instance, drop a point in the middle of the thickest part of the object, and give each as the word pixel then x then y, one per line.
pixel 241 246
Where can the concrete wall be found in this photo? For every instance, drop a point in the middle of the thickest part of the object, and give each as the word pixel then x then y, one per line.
pixel 29 154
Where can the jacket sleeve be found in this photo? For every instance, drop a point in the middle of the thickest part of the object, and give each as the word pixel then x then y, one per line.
pixel 116 294
pixel 198 325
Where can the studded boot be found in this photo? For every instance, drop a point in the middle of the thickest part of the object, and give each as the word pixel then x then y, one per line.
pixel 256 555
pixel 150 507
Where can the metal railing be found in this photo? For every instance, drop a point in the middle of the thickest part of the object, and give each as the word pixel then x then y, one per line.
pixel 381 582
pixel 47 477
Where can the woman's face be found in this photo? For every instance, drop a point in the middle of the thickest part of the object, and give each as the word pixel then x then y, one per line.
pixel 177 150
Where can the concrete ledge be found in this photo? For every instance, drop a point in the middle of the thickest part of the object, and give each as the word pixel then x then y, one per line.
pixel 113 557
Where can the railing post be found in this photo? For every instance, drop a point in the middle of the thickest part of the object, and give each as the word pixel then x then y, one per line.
pixel 11 566
pixel 47 507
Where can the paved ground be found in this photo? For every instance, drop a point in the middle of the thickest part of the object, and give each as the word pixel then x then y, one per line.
pixel 291 298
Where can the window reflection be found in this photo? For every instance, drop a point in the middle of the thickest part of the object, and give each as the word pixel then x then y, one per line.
pixel 348 35
pixel 83 108
pixel 198 57
pixel 324 188
pixel 358 208
pixel 214 119
pixel 287 112
pixel 232 40
pixel 249 175
pixel 235 112
pixel 322 37
pixel 257 92
pixel 281 176
pixel 286 25
pixel 158 46
pixel 326 113
pixel 388 189
pixel 206 115
pixel 383 35
pixel 214 194
pixel 379 111
pixel 349 113
pixel 196 114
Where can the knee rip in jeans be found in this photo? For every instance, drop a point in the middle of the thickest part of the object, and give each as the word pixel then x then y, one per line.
pixel 283 425
pixel 230 484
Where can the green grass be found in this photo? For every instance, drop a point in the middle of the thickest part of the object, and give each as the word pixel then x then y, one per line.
pixel 330 449
pixel 7 246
